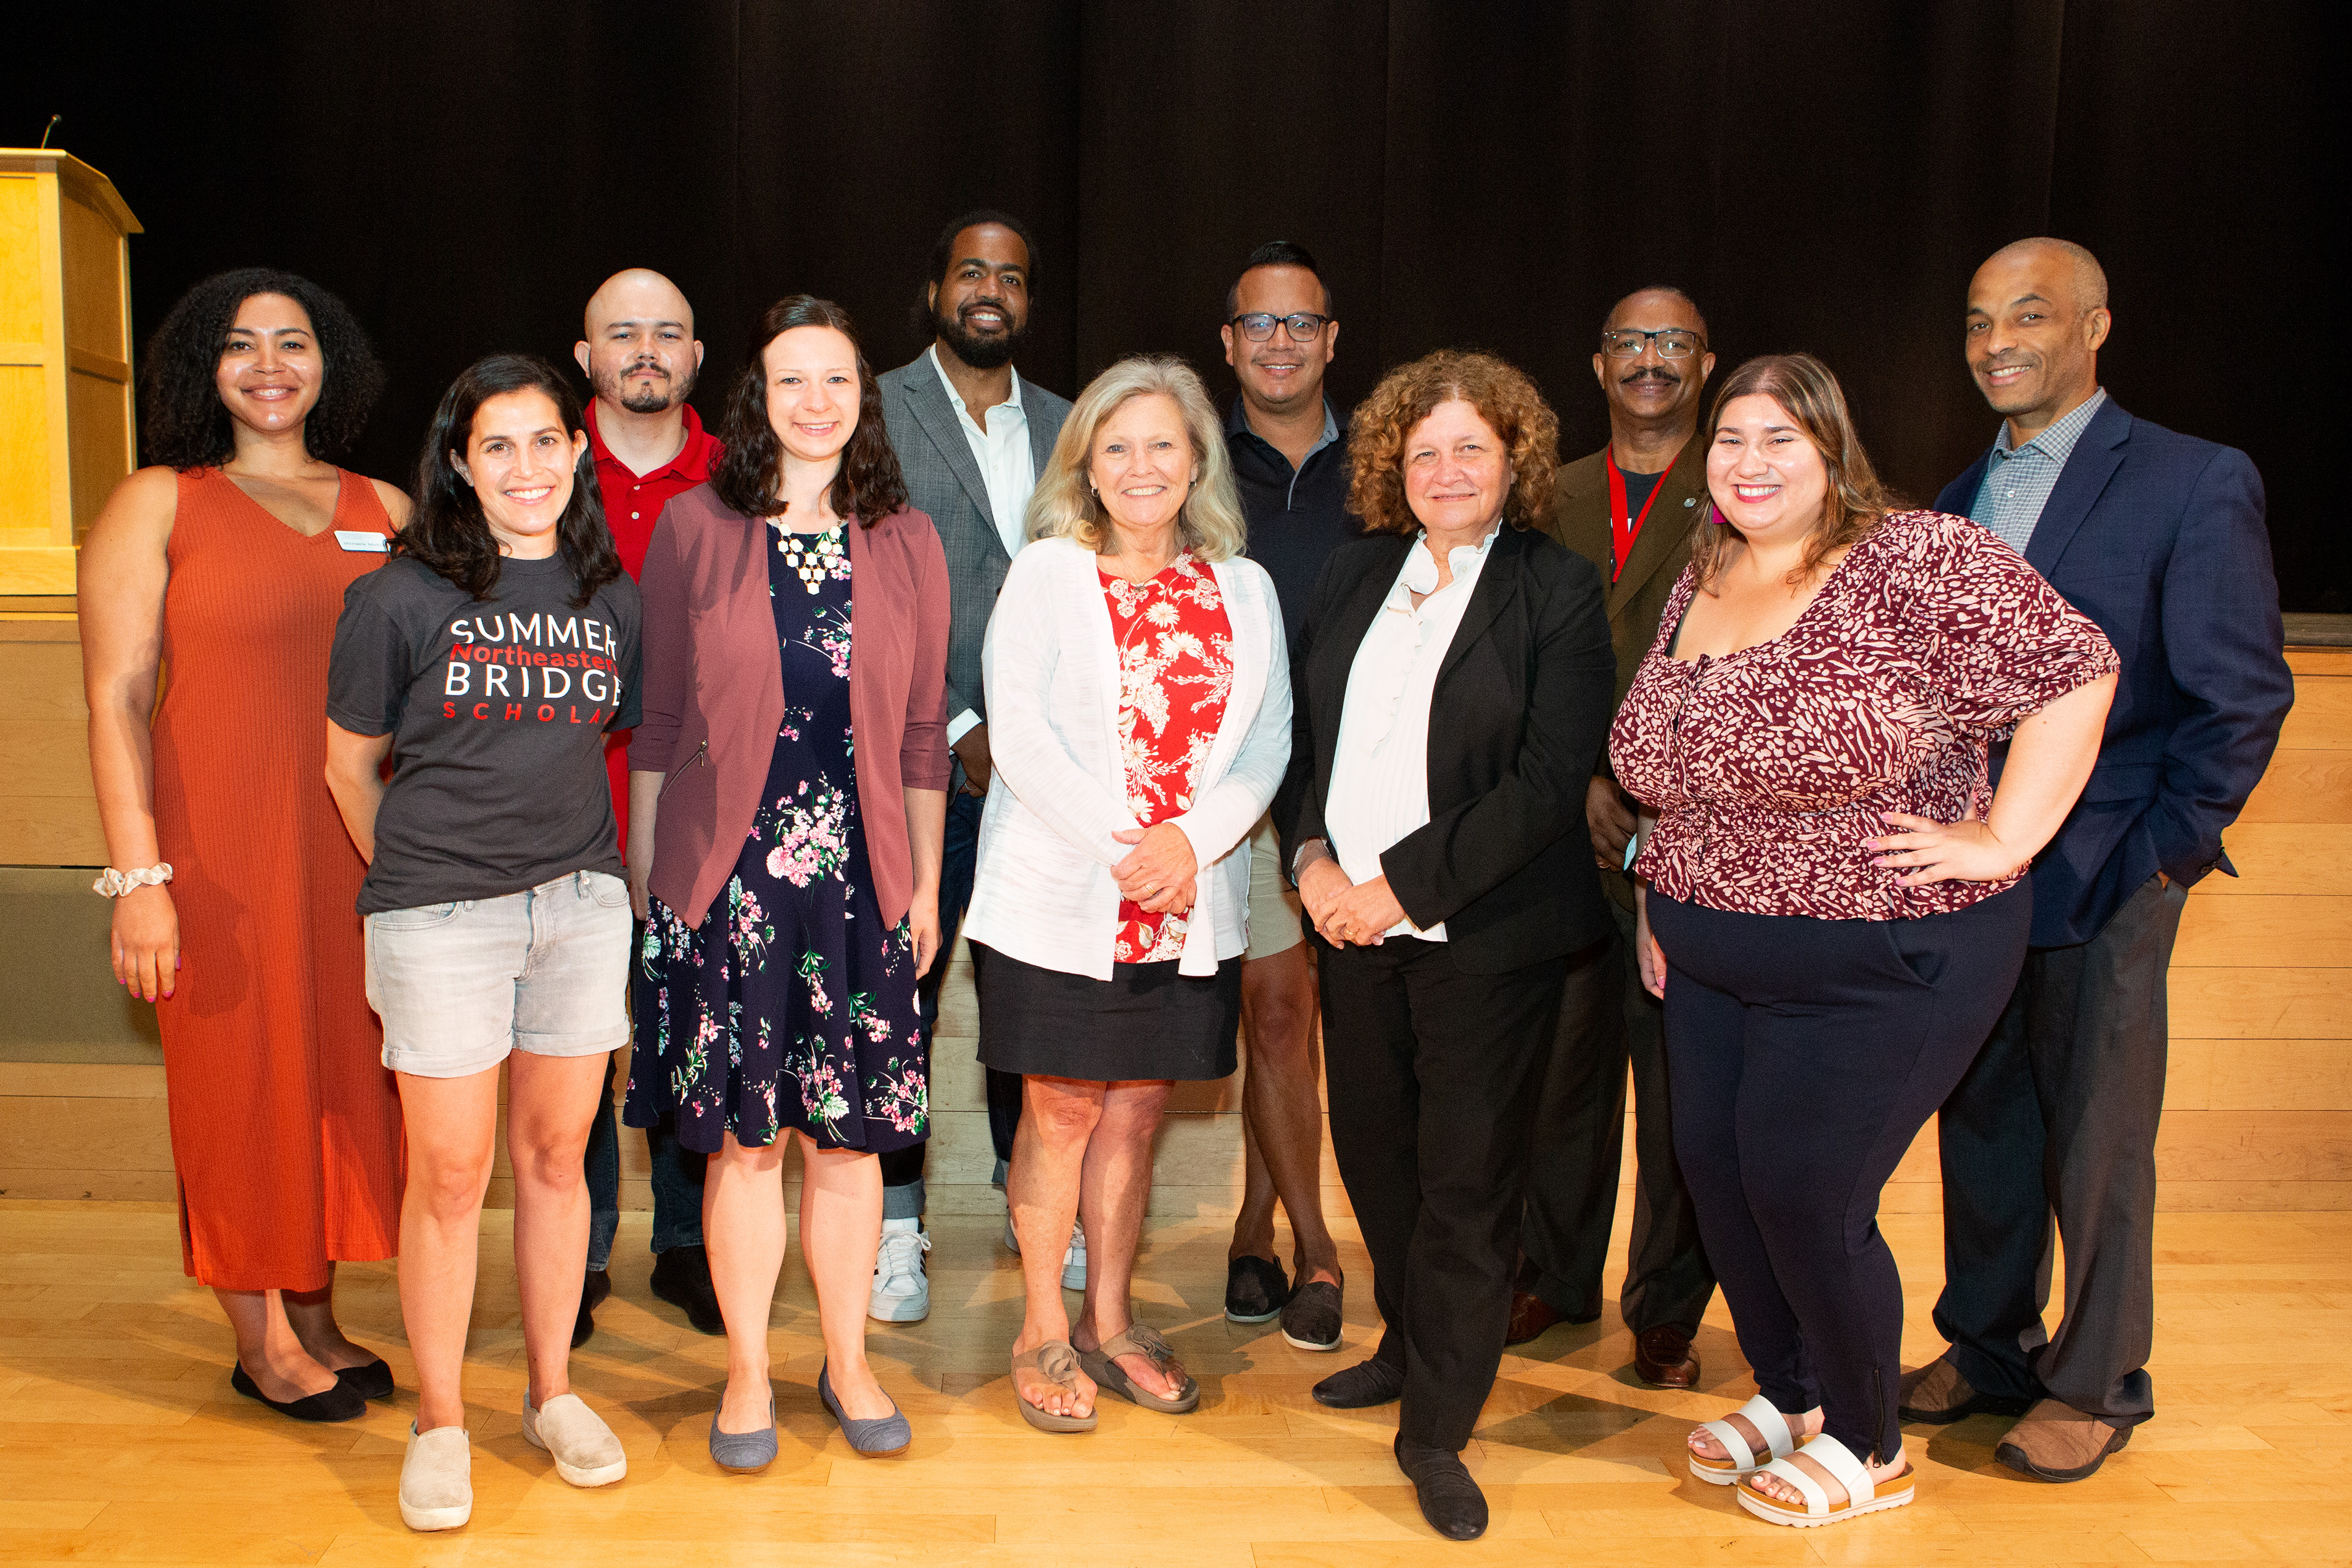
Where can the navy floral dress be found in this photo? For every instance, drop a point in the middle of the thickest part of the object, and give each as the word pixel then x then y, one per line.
pixel 792 1008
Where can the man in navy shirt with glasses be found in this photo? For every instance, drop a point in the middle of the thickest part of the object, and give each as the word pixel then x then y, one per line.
pixel 1290 463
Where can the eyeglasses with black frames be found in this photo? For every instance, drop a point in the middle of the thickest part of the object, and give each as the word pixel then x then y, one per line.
pixel 1304 326
pixel 1674 343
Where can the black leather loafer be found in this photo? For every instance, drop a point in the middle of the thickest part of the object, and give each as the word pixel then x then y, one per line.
pixel 682 1278
pixel 1361 1387
pixel 1449 1498
pixel 594 1289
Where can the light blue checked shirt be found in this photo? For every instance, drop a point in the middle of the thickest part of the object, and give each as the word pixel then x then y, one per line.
pixel 2018 480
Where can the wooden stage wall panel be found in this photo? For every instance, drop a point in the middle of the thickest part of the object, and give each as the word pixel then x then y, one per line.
pixel 2258 1105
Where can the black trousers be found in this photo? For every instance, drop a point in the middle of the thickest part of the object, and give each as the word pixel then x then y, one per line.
pixel 1807 1054
pixel 2060 1114
pixel 1606 1021
pixel 1431 1076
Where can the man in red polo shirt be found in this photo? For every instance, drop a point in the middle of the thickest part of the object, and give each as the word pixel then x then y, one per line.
pixel 641 359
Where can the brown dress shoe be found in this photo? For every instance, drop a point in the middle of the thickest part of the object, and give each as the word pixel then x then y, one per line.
pixel 1530 1316
pixel 1662 1358
pixel 2056 1442
pixel 1938 1395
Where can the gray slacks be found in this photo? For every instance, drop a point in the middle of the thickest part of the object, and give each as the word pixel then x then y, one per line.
pixel 1606 1020
pixel 2059 1114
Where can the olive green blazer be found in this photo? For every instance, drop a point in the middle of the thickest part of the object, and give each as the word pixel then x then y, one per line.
pixel 1579 519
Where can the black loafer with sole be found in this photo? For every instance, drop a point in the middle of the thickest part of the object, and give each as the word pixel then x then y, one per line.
pixel 1310 1319
pixel 1255 1290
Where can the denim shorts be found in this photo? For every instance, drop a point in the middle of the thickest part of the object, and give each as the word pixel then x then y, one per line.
pixel 545 970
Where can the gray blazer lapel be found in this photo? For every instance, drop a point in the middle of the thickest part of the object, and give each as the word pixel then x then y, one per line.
pixel 2096 457
pixel 929 400
pixel 1044 428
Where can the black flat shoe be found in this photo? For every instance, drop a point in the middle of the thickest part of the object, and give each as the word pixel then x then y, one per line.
pixel 682 1278
pixel 592 1291
pixel 1449 1498
pixel 1255 1290
pixel 337 1404
pixel 1361 1387
pixel 373 1381
pixel 1310 1319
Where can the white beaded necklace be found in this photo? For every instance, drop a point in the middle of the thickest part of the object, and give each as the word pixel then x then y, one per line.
pixel 820 557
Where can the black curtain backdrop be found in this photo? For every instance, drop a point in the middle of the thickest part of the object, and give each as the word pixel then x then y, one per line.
pixel 1822 174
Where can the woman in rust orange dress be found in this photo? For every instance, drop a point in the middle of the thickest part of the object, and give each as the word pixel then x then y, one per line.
pixel 217 574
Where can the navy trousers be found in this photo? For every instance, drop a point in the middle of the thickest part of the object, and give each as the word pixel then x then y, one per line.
pixel 1806 1055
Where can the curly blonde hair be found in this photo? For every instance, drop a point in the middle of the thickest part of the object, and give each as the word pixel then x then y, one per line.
pixel 1064 506
pixel 1856 502
pixel 1505 398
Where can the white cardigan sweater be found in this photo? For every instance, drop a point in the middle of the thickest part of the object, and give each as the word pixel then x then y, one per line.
pixel 1043 892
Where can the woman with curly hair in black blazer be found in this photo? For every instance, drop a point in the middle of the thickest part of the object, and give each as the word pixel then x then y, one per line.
pixel 1443 868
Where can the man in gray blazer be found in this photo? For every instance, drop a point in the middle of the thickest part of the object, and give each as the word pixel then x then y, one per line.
pixel 971 435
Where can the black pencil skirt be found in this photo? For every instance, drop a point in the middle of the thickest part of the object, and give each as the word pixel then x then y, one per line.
pixel 1146 1022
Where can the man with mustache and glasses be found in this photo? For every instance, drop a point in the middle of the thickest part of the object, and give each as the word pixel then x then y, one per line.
pixel 972 434
pixel 1290 466
pixel 640 354
pixel 2158 537
pixel 1632 508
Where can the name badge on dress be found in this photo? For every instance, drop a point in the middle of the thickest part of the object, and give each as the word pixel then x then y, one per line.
pixel 363 541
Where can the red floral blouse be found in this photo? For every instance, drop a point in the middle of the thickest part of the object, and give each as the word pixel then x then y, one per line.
pixel 1768 767
pixel 1175 671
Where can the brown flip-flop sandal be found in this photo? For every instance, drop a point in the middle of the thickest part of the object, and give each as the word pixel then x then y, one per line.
pixel 1056 1363
pixel 1143 1339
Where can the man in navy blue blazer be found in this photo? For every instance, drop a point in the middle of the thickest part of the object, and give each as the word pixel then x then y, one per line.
pixel 2158 537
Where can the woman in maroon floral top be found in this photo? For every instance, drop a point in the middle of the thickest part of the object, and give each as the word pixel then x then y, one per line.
pixel 1831 905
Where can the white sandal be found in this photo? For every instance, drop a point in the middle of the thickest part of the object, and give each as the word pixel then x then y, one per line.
pixel 1769 1423
pixel 1861 1496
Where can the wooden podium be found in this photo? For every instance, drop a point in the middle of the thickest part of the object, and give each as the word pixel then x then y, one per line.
pixel 66 400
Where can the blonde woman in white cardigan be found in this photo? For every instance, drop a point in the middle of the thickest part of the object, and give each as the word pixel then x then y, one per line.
pixel 1139 708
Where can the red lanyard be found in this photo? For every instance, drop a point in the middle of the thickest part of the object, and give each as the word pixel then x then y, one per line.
pixel 1623 530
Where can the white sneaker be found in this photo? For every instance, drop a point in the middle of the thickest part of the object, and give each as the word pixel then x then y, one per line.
pixel 585 1450
pixel 437 1479
pixel 902 1285
pixel 1073 1257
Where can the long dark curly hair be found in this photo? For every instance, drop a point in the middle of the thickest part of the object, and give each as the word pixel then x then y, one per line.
pixel 749 477
pixel 447 530
pixel 182 421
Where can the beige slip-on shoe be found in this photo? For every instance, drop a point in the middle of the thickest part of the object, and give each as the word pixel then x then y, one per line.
pixel 585 1452
pixel 437 1479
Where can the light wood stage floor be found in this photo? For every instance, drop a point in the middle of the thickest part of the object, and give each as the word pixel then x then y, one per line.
pixel 120 1440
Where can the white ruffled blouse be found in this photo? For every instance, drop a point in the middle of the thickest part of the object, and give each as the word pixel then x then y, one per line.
pixel 1380 768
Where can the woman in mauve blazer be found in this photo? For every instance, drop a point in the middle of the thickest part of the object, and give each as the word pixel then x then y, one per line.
pixel 788 799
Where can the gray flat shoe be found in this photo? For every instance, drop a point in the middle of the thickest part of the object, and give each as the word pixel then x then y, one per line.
pixel 743 1452
pixel 877 1440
